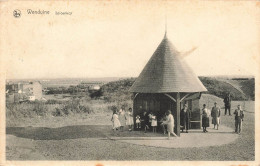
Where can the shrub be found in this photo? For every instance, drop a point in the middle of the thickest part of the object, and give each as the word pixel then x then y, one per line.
pixel 39 108
pixel 86 109
pixel 53 101
pixel 113 108
pixel 57 112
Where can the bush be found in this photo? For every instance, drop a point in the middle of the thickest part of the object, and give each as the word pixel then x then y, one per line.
pixel 72 107
pixel 26 109
pixel 86 109
pixel 248 88
pixel 51 107
pixel 39 108
pixel 117 91
pixel 57 112
pixel 53 101
pixel 113 108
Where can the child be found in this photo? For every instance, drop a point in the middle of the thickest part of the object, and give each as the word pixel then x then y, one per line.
pixel 129 119
pixel 138 122
pixel 163 123
pixel 114 119
pixel 154 123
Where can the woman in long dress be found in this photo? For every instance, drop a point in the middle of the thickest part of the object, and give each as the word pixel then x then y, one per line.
pixel 129 119
pixel 205 118
pixel 122 119
pixel 116 122
pixel 170 124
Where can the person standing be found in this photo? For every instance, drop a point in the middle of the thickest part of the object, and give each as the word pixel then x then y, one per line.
pixel 154 122
pixel 129 119
pixel 205 118
pixel 227 102
pixel 215 114
pixel 239 116
pixel 170 124
pixel 116 122
pixel 122 119
pixel 185 117
pixel 138 122
pixel 163 123
pixel 145 120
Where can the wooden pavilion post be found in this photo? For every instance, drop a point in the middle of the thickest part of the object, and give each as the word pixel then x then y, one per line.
pixel 178 114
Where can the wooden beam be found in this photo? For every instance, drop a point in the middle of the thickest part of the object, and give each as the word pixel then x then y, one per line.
pixel 170 97
pixel 178 104
pixel 184 97
pixel 134 110
pixel 136 95
pixel 200 95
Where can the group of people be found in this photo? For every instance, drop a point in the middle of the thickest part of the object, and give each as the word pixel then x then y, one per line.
pixel 147 120
pixel 121 118
pixel 215 114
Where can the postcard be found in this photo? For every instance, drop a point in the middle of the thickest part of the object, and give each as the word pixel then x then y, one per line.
pixel 129 82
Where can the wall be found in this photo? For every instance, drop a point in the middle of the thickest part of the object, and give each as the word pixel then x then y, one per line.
pixel 37 90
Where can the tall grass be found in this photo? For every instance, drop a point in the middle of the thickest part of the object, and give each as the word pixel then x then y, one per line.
pixel 49 108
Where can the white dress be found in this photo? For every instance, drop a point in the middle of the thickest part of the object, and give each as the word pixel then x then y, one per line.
pixel 138 119
pixel 154 121
pixel 129 118
pixel 116 122
pixel 170 123
pixel 122 118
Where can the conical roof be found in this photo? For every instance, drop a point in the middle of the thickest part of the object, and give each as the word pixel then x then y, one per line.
pixel 167 72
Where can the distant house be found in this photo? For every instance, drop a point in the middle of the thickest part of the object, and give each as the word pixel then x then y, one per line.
pixel 33 89
pixel 94 88
pixel 17 92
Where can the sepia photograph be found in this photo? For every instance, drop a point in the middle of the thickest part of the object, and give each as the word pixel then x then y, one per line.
pixel 129 81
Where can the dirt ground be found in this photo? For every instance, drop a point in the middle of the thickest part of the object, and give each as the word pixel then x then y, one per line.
pixel 83 137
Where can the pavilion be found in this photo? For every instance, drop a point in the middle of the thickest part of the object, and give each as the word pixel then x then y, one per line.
pixel 166 83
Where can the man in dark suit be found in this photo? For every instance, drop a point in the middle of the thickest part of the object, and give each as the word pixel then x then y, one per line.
pixel 145 120
pixel 227 101
pixel 239 116
pixel 185 117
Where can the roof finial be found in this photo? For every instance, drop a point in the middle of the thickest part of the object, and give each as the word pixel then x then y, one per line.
pixel 165 35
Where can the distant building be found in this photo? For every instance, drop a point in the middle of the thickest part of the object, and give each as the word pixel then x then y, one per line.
pixel 94 88
pixel 17 92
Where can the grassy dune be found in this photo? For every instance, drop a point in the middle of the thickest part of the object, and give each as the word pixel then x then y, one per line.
pixel 75 129
pixel 81 137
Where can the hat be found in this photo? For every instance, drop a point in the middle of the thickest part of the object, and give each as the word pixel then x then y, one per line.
pixel 215 103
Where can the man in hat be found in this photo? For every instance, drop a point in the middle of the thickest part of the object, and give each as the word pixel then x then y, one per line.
pixel 227 101
pixel 215 114
pixel 239 116
pixel 185 117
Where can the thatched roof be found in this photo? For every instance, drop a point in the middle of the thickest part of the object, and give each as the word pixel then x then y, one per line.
pixel 166 72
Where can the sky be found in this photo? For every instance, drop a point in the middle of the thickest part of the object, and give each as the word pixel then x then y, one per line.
pixel 116 38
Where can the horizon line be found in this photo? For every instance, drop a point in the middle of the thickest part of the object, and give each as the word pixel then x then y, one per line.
pixel 218 75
